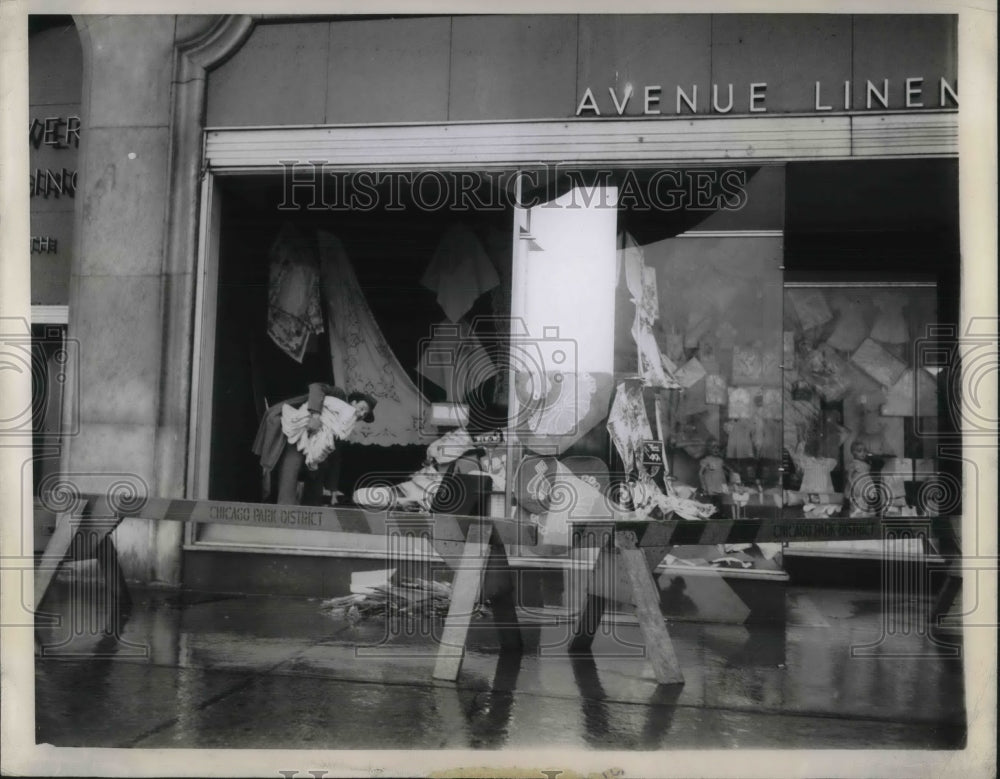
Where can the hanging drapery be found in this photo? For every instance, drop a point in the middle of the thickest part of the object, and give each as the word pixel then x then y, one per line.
pixel 293 306
pixel 641 283
pixel 628 424
pixel 362 359
pixel 459 272
pixel 851 329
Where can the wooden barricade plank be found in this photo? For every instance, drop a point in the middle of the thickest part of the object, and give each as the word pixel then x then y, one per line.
pixel 55 553
pixel 659 647
pixel 464 594
pixel 446 530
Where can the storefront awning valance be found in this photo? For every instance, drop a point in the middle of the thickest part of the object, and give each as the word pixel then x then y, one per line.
pixel 639 141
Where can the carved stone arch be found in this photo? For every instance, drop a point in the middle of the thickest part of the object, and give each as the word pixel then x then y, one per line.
pixel 193 59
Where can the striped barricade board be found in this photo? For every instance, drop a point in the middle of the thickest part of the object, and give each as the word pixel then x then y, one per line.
pixel 683 532
pixel 446 527
pixel 473 546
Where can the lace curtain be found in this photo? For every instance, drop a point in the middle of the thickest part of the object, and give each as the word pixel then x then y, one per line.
pixel 362 358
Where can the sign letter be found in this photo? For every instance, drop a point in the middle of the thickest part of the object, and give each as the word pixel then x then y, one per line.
pixel 946 89
pixel 819 106
pixel 652 98
pixel 882 97
pixel 620 107
pixel 588 103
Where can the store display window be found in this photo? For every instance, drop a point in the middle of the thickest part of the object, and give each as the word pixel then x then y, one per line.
pixel 861 402
pixel 392 286
pixel 600 341
pixel 670 399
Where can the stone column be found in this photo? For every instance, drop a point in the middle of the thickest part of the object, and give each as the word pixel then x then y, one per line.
pixel 119 279
pixel 132 284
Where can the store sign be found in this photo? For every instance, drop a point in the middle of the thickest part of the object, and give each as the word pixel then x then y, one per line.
pixel 653 100
pixel 488 438
pixel 53 133
pixel 55 129
pixel 56 132
pixel 652 456
pixel 265 516
pixel 805 530
pixel 53 141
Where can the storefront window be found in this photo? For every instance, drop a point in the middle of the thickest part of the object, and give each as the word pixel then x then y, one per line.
pixel 869 334
pixel 862 406
pixel 672 402
pixel 718 407
pixel 615 341
pixel 394 284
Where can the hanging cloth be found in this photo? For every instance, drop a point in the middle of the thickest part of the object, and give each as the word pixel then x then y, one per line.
pixel 768 442
pixel 293 306
pixel 641 283
pixel 656 369
pixel 850 329
pixel 628 424
pixel 459 272
pixel 739 446
pixel 362 359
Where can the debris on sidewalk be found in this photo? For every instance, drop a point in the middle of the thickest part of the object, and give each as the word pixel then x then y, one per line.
pixel 374 593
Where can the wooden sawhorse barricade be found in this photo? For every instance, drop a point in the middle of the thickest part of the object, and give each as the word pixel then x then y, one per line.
pixel 474 547
pixel 630 550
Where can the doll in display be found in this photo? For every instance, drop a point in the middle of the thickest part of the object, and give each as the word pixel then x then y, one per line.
pixel 713 473
pixel 815 471
pixel 858 481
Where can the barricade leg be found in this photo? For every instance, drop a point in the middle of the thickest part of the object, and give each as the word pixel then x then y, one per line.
pixel 498 589
pixel 465 592
pixel 659 647
pixel 55 553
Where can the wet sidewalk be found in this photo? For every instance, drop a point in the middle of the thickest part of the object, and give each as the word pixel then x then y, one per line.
pixel 198 670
